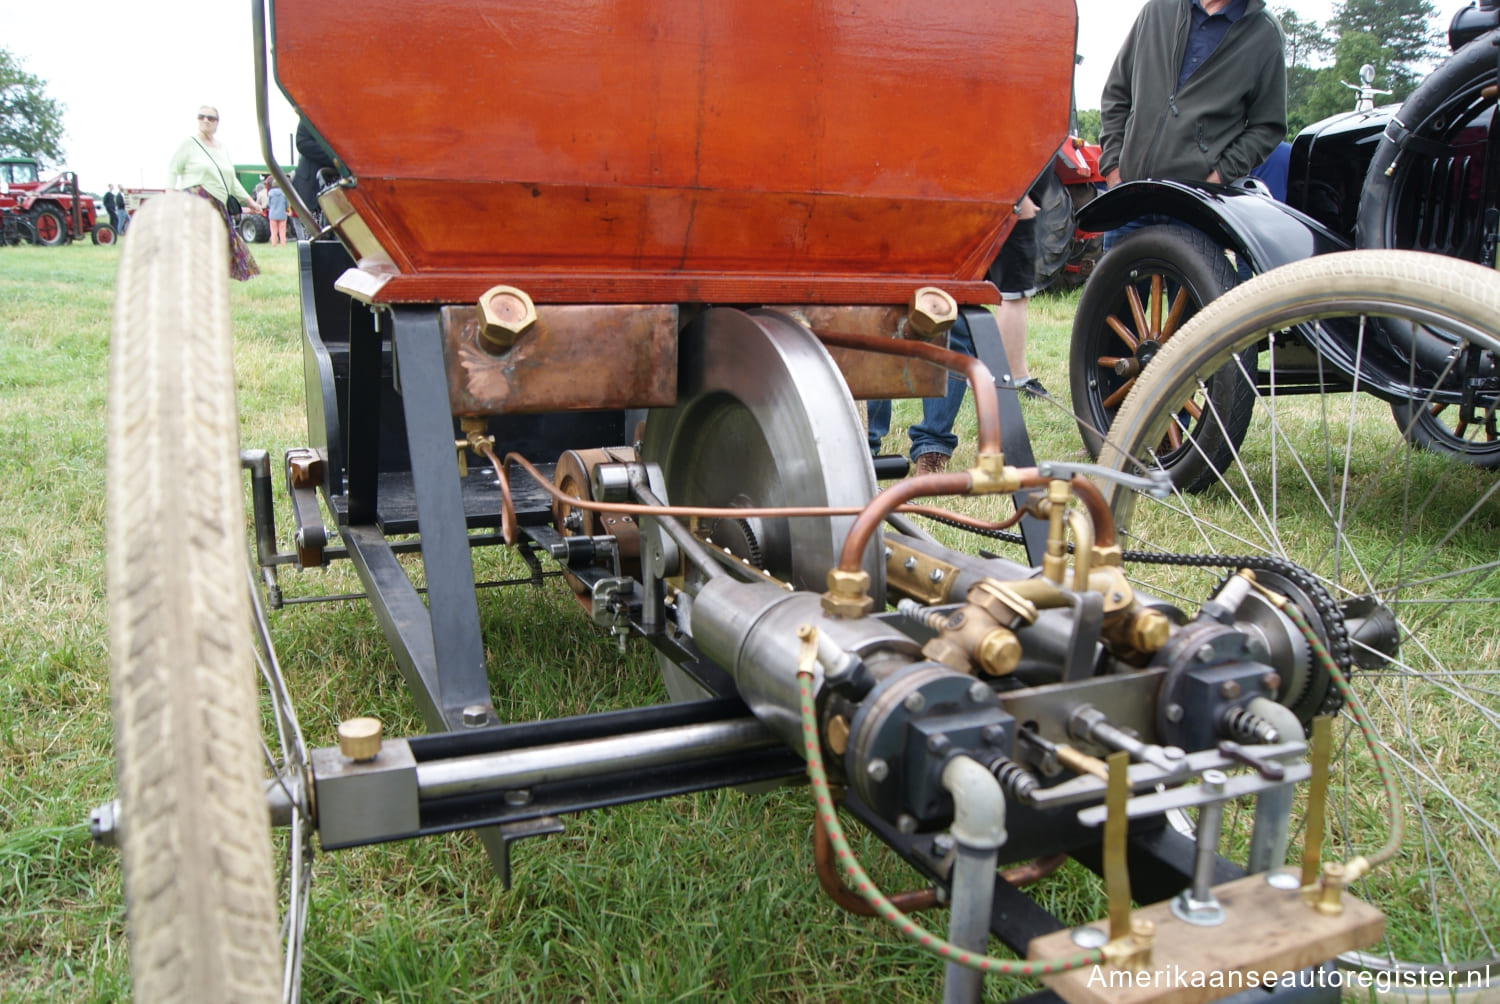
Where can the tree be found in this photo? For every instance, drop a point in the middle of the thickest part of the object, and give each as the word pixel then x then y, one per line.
pixel 1307 44
pixel 1331 93
pixel 30 122
pixel 1088 124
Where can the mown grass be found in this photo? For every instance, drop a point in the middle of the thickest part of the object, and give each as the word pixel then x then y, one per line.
pixel 708 897
pixel 693 898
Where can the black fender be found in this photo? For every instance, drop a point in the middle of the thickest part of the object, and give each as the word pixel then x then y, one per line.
pixel 1241 217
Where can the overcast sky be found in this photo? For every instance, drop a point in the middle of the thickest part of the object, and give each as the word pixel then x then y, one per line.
pixel 135 73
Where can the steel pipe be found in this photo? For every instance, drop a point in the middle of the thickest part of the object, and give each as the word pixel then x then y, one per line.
pixel 509 770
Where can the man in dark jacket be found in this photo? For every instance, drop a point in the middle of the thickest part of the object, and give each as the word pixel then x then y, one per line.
pixel 1197 93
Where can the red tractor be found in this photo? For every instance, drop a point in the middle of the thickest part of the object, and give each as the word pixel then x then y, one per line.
pixel 56 210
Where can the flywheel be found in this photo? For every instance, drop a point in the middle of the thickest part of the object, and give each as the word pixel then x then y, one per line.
pixel 764 418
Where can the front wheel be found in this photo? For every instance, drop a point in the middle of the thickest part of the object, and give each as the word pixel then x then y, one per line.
pixel 253 229
pixel 1401 541
pixel 1136 301
pixel 103 233
pixel 195 835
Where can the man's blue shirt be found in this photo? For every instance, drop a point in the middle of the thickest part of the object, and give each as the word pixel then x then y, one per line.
pixel 1205 33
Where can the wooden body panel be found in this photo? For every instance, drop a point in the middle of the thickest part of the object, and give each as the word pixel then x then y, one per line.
pixel 661 150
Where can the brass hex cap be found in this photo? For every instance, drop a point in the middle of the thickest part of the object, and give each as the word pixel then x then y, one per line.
pixel 359 738
pixel 848 594
pixel 931 312
pixel 1149 630
pixel 505 314
pixel 1000 652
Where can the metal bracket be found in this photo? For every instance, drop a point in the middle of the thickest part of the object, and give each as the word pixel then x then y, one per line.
pixel 510 833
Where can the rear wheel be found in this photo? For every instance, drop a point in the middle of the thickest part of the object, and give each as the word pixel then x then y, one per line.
pixel 50 226
pixel 1402 540
pixel 254 229
pixel 1136 301
pixel 195 838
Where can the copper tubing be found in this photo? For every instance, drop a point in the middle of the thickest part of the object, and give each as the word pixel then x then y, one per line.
pixel 981 380
pixel 507 506
pixel 916 899
pixel 1093 500
pixel 888 501
pixel 971 522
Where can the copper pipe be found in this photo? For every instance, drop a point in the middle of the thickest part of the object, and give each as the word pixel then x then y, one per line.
pixel 507 506
pixel 1093 500
pixel 981 380
pixel 916 899
pixel 874 514
pixel 971 522
pixel 833 885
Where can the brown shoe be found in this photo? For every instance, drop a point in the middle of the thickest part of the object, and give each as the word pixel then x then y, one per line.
pixel 932 463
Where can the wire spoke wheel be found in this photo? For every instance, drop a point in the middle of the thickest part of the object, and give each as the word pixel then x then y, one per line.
pixel 201 899
pixel 1136 301
pixel 1405 539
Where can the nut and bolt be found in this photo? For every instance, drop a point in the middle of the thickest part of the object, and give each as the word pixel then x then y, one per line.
pixel 980 693
pixel 1205 652
pixel 1174 712
pixel 518 797
pixel 935 576
pixel 938 744
pixel 476 715
pixel 994 735
pixel 910 564
pixel 943 843
pixel 914 702
pixel 877 770
pixel 1229 689
pixel 1271 682
pixel 906 824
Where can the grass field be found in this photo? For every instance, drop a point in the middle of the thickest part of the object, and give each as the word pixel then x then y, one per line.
pixel 708 897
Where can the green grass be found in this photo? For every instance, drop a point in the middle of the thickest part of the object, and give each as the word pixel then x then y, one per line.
pixel 703 897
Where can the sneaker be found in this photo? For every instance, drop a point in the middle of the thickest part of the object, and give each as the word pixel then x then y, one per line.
pixel 1034 387
pixel 932 463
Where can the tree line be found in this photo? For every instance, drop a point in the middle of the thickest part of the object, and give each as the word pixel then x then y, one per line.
pixel 1323 59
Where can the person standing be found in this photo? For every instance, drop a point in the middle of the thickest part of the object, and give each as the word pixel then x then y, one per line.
pixel 276 212
pixel 1014 273
pixel 1196 93
pixel 202 165
pixel 122 211
pixel 112 207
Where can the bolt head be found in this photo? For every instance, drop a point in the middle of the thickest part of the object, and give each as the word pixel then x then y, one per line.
pixel 980 693
pixel 906 824
pixel 994 734
pixel 943 843
pixel 938 744
pixel 476 715
pixel 1229 689
pixel 1271 682
pixel 914 702
pixel 935 576
pixel 1205 652
pixel 910 564
pixel 931 312
pixel 1174 712
pixel 505 314
pixel 877 770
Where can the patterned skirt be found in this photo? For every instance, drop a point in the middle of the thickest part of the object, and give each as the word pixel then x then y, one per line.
pixel 241 265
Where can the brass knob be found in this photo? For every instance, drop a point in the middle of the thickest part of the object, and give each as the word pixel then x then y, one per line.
pixel 359 738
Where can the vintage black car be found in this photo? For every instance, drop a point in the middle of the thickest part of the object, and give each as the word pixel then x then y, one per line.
pixel 1421 175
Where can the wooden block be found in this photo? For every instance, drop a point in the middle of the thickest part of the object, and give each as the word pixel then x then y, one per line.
pixel 1267 931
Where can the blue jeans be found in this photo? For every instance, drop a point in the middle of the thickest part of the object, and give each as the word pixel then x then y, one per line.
pixel 934 434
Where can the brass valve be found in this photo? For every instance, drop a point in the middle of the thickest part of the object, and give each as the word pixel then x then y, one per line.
pixel 475 439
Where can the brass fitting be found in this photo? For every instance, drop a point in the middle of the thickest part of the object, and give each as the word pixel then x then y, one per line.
pixel 1113 556
pixel 475 439
pixel 848 594
pixel 1002 602
pixel 359 738
pixel 1000 652
pixel 505 314
pixel 991 476
pixel 1149 630
pixel 837 734
pixel 931 313
pixel 1055 561
pixel 1329 895
pixel 1134 950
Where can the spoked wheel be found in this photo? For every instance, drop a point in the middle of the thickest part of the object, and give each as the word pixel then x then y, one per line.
pixel 201 899
pixel 1136 301
pixel 1404 542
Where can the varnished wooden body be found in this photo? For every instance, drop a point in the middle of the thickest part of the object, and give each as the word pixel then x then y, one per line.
pixel 664 151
